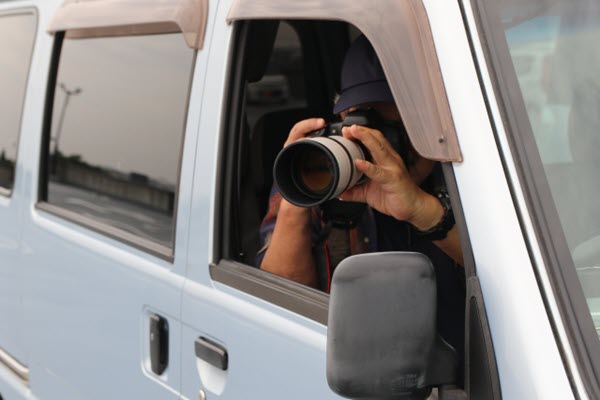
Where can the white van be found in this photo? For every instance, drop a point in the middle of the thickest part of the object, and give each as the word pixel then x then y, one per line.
pixel 137 139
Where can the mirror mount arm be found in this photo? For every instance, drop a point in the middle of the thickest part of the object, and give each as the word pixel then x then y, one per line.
pixel 451 392
pixel 443 371
pixel 443 364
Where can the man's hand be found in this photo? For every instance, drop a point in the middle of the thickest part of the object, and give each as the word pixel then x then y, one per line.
pixel 298 132
pixel 289 254
pixel 391 190
pixel 303 128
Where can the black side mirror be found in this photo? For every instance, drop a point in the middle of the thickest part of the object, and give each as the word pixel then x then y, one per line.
pixel 382 341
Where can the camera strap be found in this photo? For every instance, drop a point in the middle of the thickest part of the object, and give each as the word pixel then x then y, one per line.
pixel 333 244
pixel 342 214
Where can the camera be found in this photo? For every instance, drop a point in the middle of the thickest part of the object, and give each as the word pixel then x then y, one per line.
pixel 320 167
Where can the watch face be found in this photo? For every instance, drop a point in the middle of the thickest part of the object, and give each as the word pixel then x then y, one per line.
pixel 444 198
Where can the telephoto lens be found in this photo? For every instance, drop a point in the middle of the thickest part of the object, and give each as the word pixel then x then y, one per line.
pixel 320 167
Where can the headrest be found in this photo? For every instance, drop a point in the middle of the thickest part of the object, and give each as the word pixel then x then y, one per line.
pixel 259 45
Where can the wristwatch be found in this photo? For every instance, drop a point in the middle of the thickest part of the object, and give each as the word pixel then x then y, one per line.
pixel 440 231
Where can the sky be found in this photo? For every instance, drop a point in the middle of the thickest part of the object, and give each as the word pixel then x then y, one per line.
pixel 130 113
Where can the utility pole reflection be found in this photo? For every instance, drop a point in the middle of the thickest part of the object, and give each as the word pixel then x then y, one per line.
pixel 68 94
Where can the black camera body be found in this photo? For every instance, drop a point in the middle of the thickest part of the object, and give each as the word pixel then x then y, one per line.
pixel 394 133
pixel 366 118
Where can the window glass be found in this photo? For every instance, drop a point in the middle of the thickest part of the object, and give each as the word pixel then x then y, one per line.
pixel 117 130
pixel 283 84
pixel 554 50
pixel 275 99
pixel 17 33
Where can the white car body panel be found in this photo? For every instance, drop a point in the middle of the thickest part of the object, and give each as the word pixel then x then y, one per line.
pixel 75 304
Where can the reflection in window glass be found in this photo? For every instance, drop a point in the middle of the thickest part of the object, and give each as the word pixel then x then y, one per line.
pixel 17 33
pixel 554 49
pixel 283 84
pixel 117 130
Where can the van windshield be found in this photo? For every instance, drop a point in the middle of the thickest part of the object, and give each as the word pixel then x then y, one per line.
pixel 552 47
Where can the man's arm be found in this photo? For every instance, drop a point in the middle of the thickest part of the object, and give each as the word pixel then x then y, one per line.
pixel 428 217
pixel 289 254
pixel 394 190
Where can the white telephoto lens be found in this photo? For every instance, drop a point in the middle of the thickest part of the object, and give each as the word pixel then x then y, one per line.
pixel 344 151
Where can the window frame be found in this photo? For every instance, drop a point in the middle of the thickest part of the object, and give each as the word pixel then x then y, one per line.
pixel 156 249
pixel 303 300
pixel 481 368
pixel 7 192
pixel 582 338
pixel 298 298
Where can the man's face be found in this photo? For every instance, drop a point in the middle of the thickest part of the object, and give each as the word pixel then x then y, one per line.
pixel 388 111
pixel 419 168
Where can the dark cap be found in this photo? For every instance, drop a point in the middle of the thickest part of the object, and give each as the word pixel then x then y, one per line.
pixel 363 80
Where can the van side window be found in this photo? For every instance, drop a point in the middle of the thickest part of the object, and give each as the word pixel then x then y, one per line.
pixel 17 34
pixel 283 72
pixel 290 73
pixel 283 83
pixel 116 136
pixel 275 100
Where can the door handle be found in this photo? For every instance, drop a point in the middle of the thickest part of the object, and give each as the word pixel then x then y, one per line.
pixel 159 344
pixel 211 352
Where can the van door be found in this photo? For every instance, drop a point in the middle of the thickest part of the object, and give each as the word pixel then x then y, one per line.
pixel 106 233
pixel 248 333
pixel 234 342
pixel 17 34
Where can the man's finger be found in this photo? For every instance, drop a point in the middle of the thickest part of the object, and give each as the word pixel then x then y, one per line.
pixel 302 128
pixel 374 141
pixel 356 193
pixel 374 172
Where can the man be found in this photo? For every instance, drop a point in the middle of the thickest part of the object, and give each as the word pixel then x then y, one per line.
pixel 406 213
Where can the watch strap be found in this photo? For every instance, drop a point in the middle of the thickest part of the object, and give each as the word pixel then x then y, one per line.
pixel 441 229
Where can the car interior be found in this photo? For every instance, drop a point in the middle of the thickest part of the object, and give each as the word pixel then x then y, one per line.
pixel 290 72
